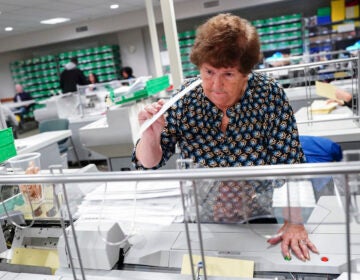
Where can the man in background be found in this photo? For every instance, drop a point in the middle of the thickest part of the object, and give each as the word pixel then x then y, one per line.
pixel 72 76
pixel 21 96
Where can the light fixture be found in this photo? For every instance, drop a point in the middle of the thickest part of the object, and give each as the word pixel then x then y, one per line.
pixel 54 20
pixel 114 6
pixel 9 28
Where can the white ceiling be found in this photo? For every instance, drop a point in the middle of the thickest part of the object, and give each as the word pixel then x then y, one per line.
pixel 25 15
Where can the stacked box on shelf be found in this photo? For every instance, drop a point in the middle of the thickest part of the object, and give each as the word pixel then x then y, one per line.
pixel 104 61
pixel 39 76
pixel 323 15
pixel 186 41
pixel 279 33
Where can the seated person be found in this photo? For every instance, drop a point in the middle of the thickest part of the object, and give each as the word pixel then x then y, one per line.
pixel 20 96
pixel 93 80
pixel 127 74
pixel 343 98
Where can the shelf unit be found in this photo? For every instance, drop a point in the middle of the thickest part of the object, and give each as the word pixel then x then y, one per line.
pixel 40 76
pixel 283 33
pixel 104 61
pixel 186 41
pixel 276 34
pixel 331 36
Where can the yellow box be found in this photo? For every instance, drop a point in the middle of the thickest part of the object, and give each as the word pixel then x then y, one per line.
pixel 37 257
pixel 337 10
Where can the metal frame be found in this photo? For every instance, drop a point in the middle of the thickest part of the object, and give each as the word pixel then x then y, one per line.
pixel 307 80
pixel 284 171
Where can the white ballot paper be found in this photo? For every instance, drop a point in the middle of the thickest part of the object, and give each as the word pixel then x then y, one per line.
pixel 167 105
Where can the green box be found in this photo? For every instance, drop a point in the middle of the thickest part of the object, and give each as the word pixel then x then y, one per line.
pixel 7 144
pixel 325 11
pixel 156 85
pixel 152 86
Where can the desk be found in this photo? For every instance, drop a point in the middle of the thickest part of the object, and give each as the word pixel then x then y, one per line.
pixel 13 105
pixel 113 138
pixel 335 125
pixel 44 143
pixel 83 153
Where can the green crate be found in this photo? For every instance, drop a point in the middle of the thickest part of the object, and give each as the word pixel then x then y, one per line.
pixel 136 96
pixel 156 85
pixel 324 11
pixel 7 144
pixel 152 86
pixel 6 137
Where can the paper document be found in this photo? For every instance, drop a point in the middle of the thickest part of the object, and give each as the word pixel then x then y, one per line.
pixel 36 257
pixel 322 107
pixel 167 105
pixel 325 90
pixel 224 267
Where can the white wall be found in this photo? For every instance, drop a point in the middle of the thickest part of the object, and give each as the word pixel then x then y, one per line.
pixel 133 51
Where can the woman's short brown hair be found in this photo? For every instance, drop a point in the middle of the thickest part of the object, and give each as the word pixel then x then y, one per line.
pixel 225 41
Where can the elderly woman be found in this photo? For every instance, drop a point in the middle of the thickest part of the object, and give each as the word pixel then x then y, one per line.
pixel 235 117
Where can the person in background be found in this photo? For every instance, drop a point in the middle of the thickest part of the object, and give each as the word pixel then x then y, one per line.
pixel 93 79
pixel 234 117
pixel 127 73
pixel 343 98
pixel 72 76
pixel 20 96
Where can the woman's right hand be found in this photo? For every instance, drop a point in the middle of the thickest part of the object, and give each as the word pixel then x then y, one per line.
pixel 147 113
pixel 148 149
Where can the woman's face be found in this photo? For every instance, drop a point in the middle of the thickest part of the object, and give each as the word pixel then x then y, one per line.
pixel 223 86
pixel 92 78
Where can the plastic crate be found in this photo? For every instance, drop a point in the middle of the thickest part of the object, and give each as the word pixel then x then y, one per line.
pixel 152 87
pixel 156 85
pixel 7 144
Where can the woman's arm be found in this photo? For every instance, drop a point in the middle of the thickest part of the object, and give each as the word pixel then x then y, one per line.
pixel 148 150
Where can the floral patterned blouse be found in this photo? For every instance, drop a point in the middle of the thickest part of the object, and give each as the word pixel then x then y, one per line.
pixel 261 131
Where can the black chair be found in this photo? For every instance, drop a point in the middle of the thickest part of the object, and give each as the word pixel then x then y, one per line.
pixel 65 145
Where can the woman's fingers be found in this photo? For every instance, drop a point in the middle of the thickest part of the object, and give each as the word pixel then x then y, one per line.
pixel 312 247
pixel 33 191
pixel 294 238
pixel 150 110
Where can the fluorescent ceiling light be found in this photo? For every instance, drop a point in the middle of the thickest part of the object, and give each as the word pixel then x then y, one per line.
pixel 114 6
pixel 9 28
pixel 54 20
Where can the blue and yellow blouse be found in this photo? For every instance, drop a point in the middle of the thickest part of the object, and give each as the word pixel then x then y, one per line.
pixel 261 131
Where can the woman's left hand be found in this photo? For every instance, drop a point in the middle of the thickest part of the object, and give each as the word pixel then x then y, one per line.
pixel 294 237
